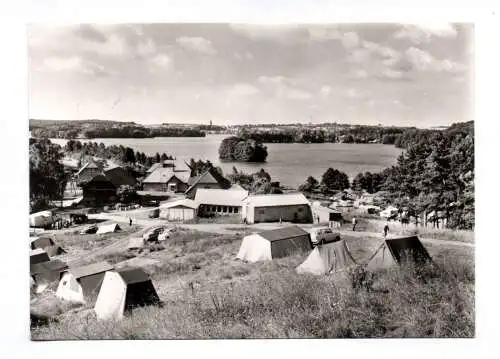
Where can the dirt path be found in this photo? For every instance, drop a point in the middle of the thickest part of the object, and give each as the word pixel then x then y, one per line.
pixel 231 228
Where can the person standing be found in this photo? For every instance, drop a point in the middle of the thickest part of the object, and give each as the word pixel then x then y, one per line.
pixel 354 222
pixel 130 222
pixel 386 229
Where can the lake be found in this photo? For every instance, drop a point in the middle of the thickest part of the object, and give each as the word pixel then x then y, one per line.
pixel 288 163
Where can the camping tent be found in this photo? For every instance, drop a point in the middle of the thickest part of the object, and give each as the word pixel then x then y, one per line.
pixel 81 284
pixel 53 251
pixel 48 271
pixel 108 228
pixel 38 256
pixel 122 291
pixel 41 242
pixel 398 250
pixel 274 243
pixel 328 258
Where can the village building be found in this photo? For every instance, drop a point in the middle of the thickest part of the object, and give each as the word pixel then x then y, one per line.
pixel 209 179
pixel 119 176
pixel 289 207
pixel 87 172
pixel 98 191
pixel 167 177
pixel 219 201
pixel 179 210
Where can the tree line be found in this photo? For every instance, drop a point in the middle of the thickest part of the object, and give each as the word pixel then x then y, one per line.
pixel 435 173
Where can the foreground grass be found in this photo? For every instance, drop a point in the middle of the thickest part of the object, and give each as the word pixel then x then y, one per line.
pixel 278 303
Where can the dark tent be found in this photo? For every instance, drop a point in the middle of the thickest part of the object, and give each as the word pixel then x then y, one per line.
pixel 41 242
pixel 53 251
pixel 48 271
pixel 398 251
pixel 286 240
pixel 38 256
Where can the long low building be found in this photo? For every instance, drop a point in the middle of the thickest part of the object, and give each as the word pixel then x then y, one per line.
pixel 178 210
pixel 219 201
pixel 289 207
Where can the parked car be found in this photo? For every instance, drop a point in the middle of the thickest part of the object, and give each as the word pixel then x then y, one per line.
pixel 152 234
pixel 323 235
pixel 89 230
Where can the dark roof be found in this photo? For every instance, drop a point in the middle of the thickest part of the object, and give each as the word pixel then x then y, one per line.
pixel 211 176
pixel 91 269
pixel 412 246
pixel 52 265
pixel 283 233
pixel 133 275
pixel 120 177
pixel 99 179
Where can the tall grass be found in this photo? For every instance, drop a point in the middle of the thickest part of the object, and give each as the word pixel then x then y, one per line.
pixel 278 303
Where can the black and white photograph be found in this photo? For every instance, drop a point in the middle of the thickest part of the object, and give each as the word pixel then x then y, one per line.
pixel 245 180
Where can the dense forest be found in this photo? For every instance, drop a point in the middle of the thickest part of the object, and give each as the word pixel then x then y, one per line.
pixel 235 148
pixel 106 129
pixel 351 134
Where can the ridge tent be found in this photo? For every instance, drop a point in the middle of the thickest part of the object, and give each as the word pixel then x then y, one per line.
pixel 328 258
pixel 81 284
pixel 108 228
pixel 275 243
pixel 397 251
pixel 41 242
pixel 53 251
pixel 38 256
pixel 48 271
pixel 41 219
pixel 123 291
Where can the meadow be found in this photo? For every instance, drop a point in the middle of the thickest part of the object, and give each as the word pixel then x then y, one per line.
pixel 207 293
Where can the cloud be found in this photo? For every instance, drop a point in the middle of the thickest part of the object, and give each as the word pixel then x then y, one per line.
pixel 74 64
pixel 423 61
pixel 421 33
pixel 243 56
pixel 243 89
pixel 284 87
pixel 323 33
pixel 275 80
pixel 283 34
pixel 89 33
pixel 325 90
pixel 161 60
pixel 350 40
pixel 296 94
pixel 197 44
pixel 146 48
pixel 380 50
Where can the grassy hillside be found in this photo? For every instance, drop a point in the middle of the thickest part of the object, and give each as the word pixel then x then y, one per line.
pixel 207 293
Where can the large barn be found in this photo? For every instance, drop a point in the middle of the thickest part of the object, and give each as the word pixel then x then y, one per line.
pixel 167 177
pixel 290 207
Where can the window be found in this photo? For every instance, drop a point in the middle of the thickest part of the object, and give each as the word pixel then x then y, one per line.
pixel 219 209
pixel 230 209
pixel 301 209
pixel 235 209
pixel 224 209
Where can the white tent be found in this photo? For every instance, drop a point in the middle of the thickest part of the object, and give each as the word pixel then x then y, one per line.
pixel 122 291
pixel 327 258
pixel 82 283
pixel 255 248
pixel 108 228
pixel 135 243
pixel 275 243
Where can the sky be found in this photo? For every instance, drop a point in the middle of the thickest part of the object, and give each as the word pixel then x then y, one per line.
pixel 390 74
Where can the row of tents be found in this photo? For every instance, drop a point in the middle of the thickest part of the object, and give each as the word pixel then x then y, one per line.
pixel 331 256
pixel 113 292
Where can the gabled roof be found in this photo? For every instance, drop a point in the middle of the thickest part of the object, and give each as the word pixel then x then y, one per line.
pixel 133 275
pixel 185 202
pixel 211 176
pixel 283 233
pixel 98 178
pixel 90 164
pixel 119 176
pixel 270 200
pixel 163 175
pixel 222 197
pixel 153 167
pixel 90 269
